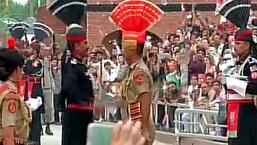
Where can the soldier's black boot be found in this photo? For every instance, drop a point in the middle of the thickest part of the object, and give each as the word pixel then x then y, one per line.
pixel 48 129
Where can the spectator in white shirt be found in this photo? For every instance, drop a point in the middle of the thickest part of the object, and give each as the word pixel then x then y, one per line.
pixel 193 84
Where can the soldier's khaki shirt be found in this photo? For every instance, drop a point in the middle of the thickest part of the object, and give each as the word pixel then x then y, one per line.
pixel 138 80
pixel 11 114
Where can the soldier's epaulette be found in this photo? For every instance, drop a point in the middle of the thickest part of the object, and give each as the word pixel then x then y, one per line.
pixel 8 93
pixel 12 96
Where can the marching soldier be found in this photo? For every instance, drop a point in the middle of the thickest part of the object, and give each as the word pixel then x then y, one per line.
pixel 241 81
pixel 77 90
pixel 137 86
pixel 15 116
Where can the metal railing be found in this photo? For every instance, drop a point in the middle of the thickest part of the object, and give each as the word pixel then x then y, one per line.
pixel 197 123
pixel 166 105
pixel 193 123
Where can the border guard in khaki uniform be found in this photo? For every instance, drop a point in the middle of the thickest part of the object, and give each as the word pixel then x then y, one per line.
pixel 134 17
pixel 15 115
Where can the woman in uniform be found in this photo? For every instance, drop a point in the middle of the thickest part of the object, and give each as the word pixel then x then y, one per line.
pixel 15 116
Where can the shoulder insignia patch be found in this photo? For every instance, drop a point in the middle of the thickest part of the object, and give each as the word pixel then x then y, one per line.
pixel 139 77
pixel 253 68
pixel 12 108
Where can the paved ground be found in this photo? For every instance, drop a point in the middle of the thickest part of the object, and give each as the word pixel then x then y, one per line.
pixel 56 139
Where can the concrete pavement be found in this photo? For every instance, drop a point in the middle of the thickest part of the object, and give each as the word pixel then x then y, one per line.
pixel 56 138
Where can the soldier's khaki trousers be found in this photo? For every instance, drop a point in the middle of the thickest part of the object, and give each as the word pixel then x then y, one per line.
pixel 48 96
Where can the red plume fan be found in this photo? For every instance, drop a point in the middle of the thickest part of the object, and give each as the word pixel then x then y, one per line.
pixel 11 43
pixel 136 15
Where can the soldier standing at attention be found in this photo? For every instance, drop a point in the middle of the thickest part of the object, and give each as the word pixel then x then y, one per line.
pixel 77 94
pixel 241 80
pixel 137 86
pixel 15 116
pixel 76 89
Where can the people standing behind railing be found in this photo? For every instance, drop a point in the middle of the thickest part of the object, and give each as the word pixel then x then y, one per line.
pixel 209 78
pixel 216 93
pixel 170 94
pixel 154 68
pixel 197 65
pixel 216 96
pixel 204 94
pixel 173 73
pixel 186 117
pixel 193 84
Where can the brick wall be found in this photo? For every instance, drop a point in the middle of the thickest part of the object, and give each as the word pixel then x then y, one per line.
pixel 98 24
pixel 158 1
pixel 155 1
pixel 44 16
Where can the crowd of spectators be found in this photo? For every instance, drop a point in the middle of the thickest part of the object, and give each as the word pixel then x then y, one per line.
pixel 186 67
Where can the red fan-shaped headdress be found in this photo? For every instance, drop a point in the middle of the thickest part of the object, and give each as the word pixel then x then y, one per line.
pixel 134 17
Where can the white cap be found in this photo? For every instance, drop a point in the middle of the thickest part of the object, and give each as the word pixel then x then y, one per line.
pixel 74 26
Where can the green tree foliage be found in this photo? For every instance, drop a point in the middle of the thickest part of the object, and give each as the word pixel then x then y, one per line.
pixel 14 10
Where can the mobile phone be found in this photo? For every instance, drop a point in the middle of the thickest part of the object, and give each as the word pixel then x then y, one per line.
pixel 99 133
